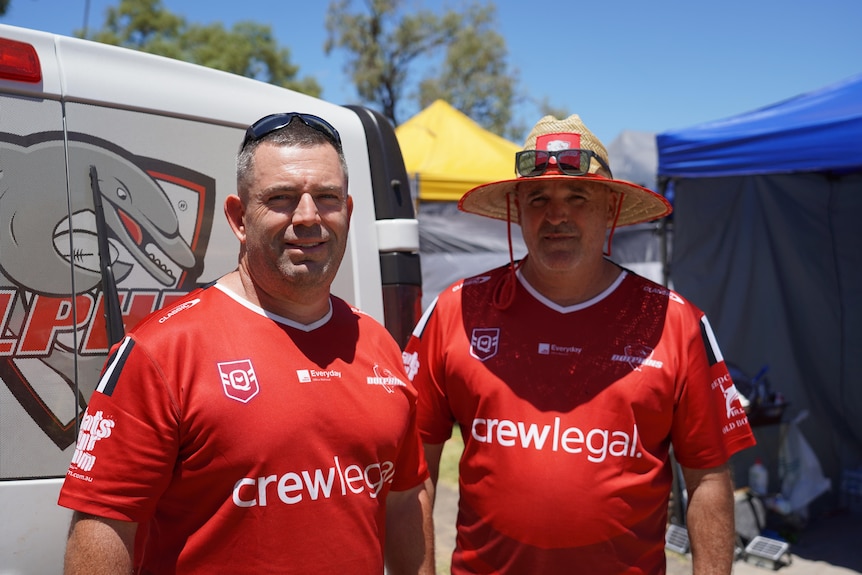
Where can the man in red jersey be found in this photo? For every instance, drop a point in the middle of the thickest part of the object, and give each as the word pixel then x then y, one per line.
pixel 570 379
pixel 261 425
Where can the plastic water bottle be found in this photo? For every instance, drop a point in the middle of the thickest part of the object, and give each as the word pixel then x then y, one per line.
pixel 758 478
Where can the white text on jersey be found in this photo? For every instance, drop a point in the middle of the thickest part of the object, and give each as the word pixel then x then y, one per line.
pixel 599 444
pixel 293 487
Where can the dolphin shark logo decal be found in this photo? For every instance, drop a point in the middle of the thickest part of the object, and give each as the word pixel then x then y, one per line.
pixel 158 218
pixel 138 213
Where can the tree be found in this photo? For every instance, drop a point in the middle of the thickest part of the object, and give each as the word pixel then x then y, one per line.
pixel 548 109
pixel 475 77
pixel 147 26
pixel 384 43
pixel 382 47
pixel 4 6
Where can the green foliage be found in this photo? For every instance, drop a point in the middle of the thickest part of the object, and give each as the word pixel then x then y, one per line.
pixel 4 6
pixel 475 77
pixel 548 109
pixel 247 49
pixel 382 44
pixel 386 42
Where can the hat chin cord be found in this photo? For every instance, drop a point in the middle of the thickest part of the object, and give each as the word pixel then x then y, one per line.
pixel 613 226
pixel 504 291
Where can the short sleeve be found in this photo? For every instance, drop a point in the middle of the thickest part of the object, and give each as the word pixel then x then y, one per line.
pixel 128 440
pixel 424 358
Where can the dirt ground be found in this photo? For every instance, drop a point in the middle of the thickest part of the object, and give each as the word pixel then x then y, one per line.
pixel 830 544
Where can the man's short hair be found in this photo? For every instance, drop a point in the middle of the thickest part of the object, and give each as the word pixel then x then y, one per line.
pixel 295 134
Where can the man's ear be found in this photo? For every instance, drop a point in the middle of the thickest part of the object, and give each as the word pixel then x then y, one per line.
pixel 234 211
pixel 615 200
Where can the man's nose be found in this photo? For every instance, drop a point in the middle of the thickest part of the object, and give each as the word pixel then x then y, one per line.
pixel 306 212
pixel 557 211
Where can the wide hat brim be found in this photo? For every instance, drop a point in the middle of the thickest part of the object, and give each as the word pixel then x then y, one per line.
pixel 496 200
pixel 639 204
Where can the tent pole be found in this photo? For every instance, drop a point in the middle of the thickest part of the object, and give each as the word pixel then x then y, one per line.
pixel 665 228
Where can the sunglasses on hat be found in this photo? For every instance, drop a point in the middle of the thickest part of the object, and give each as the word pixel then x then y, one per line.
pixel 532 163
pixel 273 122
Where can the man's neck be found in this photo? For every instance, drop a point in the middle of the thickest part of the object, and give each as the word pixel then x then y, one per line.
pixel 572 287
pixel 305 311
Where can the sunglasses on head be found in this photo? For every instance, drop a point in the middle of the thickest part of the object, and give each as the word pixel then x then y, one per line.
pixel 532 163
pixel 273 122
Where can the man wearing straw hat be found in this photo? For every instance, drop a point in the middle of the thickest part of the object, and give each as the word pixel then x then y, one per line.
pixel 570 379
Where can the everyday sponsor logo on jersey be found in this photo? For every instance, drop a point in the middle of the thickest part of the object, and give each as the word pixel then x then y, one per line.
pixel 295 487
pixel 596 444
pixel 484 342
pixel 239 380
pixel 94 428
pixel 385 378
pixel 637 356
pixel 309 375
pixel 554 349
pixel 734 411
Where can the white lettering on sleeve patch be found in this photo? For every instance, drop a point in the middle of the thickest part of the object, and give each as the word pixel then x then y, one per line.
pixel 411 363
pixel 734 412
pixel 94 428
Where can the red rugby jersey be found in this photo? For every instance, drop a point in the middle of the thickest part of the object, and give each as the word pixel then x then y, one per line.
pixel 567 415
pixel 246 443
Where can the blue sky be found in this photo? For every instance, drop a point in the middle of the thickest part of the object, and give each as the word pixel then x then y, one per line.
pixel 645 65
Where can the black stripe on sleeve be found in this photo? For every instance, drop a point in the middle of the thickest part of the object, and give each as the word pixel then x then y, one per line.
pixel 707 343
pixel 114 367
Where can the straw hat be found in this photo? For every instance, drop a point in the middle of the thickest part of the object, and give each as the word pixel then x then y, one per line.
pixel 639 204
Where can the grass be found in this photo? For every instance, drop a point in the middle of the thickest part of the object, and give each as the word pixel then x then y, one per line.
pixel 449 459
pixel 448 476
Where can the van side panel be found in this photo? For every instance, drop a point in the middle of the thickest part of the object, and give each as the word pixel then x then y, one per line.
pixel 38 407
pixel 37 403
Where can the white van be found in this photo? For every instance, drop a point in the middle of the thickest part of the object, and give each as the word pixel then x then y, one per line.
pixel 114 166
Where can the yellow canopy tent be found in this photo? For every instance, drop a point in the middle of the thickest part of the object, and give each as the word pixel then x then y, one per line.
pixel 446 153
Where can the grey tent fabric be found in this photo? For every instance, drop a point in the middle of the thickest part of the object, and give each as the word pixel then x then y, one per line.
pixel 633 157
pixel 454 245
pixel 776 263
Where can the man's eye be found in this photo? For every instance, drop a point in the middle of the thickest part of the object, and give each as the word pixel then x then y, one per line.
pixel 330 199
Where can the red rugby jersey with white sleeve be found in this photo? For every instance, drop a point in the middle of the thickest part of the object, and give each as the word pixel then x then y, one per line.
pixel 567 415
pixel 242 442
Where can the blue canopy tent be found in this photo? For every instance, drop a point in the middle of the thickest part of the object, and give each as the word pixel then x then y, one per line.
pixel 767 240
